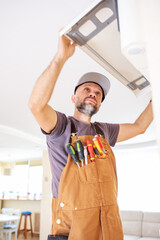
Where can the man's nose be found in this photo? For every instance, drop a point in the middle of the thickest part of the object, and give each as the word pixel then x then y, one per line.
pixel 92 94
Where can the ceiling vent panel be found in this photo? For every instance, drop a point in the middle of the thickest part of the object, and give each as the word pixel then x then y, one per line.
pixel 97 33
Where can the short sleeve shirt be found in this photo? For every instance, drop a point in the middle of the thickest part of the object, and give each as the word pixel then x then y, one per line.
pixel 60 136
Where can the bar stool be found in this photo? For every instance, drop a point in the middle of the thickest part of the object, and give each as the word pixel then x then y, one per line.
pixel 25 230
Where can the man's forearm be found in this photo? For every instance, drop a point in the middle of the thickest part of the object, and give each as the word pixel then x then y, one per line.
pixel 145 118
pixel 130 130
pixel 44 114
pixel 45 84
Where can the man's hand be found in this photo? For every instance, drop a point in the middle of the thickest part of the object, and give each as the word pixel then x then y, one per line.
pixel 65 48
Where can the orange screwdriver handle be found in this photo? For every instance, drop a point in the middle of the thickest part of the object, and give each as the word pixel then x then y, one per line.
pixel 98 147
pixel 100 143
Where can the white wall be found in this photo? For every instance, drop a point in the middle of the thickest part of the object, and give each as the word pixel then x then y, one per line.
pixel 46 202
pixel 138 179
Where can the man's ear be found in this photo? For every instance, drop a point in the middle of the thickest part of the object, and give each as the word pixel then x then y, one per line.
pixel 73 98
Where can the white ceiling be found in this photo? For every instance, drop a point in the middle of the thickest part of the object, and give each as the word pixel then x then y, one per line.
pixel 29 37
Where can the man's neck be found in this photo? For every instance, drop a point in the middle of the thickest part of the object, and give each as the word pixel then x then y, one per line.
pixel 82 117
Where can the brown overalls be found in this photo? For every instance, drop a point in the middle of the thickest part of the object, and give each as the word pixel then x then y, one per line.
pixel 86 208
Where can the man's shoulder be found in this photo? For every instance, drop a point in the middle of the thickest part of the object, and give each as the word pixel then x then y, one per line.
pixel 60 127
pixel 63 118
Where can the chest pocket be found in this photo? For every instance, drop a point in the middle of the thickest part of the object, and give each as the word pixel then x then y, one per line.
pixel 99 171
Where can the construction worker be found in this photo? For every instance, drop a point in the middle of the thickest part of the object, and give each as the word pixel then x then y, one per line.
pixel 84 198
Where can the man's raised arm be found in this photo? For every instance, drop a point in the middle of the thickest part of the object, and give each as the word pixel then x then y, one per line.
pixel 130 130
pixel 43 89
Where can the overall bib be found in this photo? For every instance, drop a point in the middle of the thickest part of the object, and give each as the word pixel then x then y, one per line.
pixel 86 208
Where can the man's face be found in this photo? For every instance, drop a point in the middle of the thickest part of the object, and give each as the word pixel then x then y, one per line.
pixel 88 98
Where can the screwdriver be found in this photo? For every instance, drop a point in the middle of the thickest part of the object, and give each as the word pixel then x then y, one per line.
pixel 98 147
pixel 100 143
pixel 80 150
pixel 95 149
pixel 85 155
pixel 72 152
pixel 90 150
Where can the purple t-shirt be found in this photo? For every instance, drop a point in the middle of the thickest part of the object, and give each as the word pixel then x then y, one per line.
pixel 60 136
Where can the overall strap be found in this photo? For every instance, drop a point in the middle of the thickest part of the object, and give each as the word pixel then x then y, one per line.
pixel 99 131
pixel 73 130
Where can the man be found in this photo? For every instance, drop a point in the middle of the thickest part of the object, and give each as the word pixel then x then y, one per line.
pixel 84 198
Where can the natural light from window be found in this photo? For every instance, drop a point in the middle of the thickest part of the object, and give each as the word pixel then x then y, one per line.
pixel 138 179
pixel 25 182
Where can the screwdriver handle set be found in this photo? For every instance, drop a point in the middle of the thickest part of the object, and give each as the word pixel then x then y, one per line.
pixel 80 154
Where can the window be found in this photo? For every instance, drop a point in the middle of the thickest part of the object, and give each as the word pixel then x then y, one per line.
pixel 25 181
pixel 20 178
pixel 35 181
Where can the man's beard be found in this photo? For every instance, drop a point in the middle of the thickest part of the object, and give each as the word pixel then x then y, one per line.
pixel 87 109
